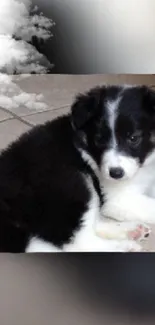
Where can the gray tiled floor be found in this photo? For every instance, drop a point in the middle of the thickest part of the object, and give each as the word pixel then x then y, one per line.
pixel 58 92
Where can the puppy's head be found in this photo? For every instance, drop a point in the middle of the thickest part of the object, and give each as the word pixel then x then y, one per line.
pixel 115 126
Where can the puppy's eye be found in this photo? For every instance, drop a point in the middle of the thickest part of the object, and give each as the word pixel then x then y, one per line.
pixel 134 140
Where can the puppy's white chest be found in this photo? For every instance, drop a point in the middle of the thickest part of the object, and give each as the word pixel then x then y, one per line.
pixel 144 182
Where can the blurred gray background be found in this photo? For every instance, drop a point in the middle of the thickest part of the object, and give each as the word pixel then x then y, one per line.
pixel 102 36
pixel 77 289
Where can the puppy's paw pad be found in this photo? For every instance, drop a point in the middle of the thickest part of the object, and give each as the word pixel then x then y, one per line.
pixel 141 232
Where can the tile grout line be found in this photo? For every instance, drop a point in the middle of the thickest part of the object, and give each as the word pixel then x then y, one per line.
pixel 21 118
pixel 15 117
pixel 6 119
pixel 46 111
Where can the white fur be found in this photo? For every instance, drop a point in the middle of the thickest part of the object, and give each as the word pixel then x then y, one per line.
pixel 131 199
pixel 91 162
pixel 37 245
pixel 111 107
pixel 97 245
pixel 112 158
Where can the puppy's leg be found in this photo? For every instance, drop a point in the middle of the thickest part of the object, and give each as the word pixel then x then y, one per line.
pixel 122 230
pixel 93 243
pixel 130 206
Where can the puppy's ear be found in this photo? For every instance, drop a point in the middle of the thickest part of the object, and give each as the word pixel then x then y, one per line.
pixel 150 99
pixel 85 107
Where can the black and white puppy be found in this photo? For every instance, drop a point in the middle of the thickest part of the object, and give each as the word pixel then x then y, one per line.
pixel 57 179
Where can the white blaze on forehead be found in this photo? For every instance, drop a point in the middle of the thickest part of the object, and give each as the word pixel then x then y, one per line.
pixel 112 158
pixel 127 86
pixel 112 106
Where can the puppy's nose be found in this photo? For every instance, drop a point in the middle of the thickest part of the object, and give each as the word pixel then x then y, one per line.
pixel 116 172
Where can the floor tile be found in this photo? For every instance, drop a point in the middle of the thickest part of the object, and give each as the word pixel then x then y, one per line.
pixel 10 130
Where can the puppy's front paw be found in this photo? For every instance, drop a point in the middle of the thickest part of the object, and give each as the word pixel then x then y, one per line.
pixel 139 232
pixel 122 230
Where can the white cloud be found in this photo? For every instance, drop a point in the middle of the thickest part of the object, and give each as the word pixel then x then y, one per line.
pixel 17 27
